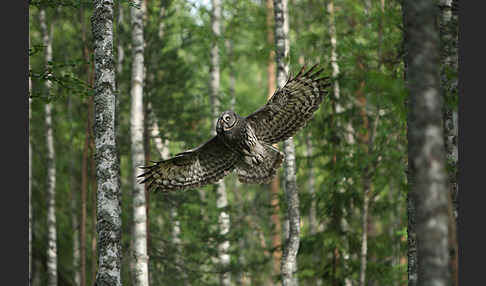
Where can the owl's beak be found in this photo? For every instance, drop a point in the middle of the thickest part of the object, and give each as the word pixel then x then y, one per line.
pixel 219 128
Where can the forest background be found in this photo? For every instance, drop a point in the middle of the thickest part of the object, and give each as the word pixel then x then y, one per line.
pixel 351 159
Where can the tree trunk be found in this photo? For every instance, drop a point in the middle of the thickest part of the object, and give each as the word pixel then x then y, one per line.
pixel 222 201
pixel 274 185
pixel 214 67
pixel 139 236
pixel 30 178
pixel 426 155
pixel 74 206
pixel 334 63
pixel 51 163
pixel 107 164
pixel 224 227
pixel 291 247
pixel 232 76
pixel 449 84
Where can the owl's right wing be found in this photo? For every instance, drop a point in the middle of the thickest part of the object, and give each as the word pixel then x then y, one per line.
pixel 290 107
pixel 203 165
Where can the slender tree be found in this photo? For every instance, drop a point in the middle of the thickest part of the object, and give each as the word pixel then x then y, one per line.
pixel 51 161
pixel 107 164
pixel 139 236
pixel 426 155
pixel 74 196
pixel 274 185
pixel 364 139
pixel 449 38
pixel 222 201
pixel 291 246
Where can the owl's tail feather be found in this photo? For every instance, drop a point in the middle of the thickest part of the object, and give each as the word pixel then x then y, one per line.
pixel 264 172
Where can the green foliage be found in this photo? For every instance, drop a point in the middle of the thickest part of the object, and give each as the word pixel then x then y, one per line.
pixel 369 48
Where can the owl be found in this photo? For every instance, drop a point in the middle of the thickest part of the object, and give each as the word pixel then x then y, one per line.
pixel 244 144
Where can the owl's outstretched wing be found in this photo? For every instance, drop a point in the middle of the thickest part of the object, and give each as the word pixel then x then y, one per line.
pixel 290 107
pixel 203 165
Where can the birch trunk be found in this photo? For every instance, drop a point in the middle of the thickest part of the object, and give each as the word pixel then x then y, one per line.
pixel 449 84
pixel 426 154
pixel 74 208
pixel 214 68
pixel 107 164
pixel 139 236
pixel 232 76
pixel 222 201
pixel 274 185
pixel 412 261
pixel 51 163
pixel 364 140
pixel 291 246
pixel 334 55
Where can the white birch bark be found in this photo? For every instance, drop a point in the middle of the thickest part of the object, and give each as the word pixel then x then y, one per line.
pixel 291 246
pixel 232 76
pixel 449 85
pixel 51 164
pixel 214 67
pixel 334 55
pixel 74 210
pixel 449 36
pixel 222 201
pixel 107 165
pixel 335 70
pixel 426 153
pixel 139 235
pixel 366 191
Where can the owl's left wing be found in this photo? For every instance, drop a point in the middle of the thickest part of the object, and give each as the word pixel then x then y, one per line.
pixel 290 107
pixel 203 165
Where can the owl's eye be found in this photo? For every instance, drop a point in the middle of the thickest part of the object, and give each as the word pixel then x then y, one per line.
pixel 226 118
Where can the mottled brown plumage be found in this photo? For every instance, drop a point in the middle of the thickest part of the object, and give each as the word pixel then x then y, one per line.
pixel 244 144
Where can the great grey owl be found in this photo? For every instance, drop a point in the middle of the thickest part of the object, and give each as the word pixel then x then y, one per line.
pixel 244 144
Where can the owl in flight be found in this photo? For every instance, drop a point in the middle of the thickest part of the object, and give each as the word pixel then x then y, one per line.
pixel 244 144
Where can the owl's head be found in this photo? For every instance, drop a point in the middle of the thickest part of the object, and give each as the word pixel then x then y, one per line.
pixel 226 121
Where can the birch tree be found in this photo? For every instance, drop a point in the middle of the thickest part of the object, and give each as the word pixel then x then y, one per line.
pixel 139 236
pixel 449 39
pixel 222 201
pixel 426 156
pixel 74 208
pixel 291 246
pixel 274 185
pixel 108 223
pixel 51 162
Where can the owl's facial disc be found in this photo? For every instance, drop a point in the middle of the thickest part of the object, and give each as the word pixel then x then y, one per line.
pixel 226 121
